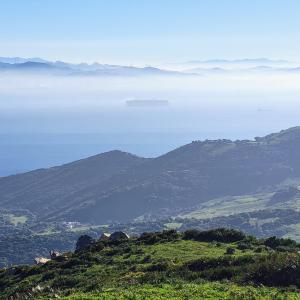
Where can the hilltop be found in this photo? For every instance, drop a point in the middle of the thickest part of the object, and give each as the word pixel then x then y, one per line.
pixel 121 187
pixel 216 264
pixel 250 185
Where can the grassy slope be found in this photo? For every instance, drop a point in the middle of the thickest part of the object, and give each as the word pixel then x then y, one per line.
pixel 15 220
pixel 228 206
pixel 133 270
pixel 208 290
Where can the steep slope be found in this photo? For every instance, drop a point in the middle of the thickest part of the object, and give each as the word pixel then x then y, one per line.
pixel 191 175
pixel 45 190
pixel 187 176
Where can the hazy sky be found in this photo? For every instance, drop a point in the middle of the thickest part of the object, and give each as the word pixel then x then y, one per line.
pixel 149 31
pixel 49 120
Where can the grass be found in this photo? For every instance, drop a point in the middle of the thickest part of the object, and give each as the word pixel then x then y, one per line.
pixel 85 228
pixel 229 206
pixel 48 231
pixel 173 225
pixel 206 290
pixel 16 220
pixel 187 250
pixel 140 269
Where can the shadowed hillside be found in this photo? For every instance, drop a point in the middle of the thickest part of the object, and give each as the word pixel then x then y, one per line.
pixel 117 186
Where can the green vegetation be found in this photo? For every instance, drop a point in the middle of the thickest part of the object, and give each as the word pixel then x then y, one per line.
pixel 224 291
pixel 214 177
pixel 16 220
pixel 214 264
pixel 173 225
pixel 22 243
pixel 229 205
pixel 252 186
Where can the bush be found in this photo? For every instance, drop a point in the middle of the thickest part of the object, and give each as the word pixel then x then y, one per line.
pixel 73 262
pixel 223 235
pixel 223 261
pixel 230 251
pixel 285 249
pixel 151 238
pixel 147 259
pixel 274 242
pixel 244 246
pixel 225 267
pixel 259 249
pixel 159 267
pixel 278 269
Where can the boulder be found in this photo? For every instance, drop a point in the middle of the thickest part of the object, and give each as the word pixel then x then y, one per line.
pixel 41 260
pixel 118 235
pixel 105 236
pixel 83 242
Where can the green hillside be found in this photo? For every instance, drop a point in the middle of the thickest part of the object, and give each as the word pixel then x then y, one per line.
pixel 250 185
pixel 120 187
pixel 215 264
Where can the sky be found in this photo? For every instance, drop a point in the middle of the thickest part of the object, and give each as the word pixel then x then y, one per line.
pixel 50 120
pixel 142 32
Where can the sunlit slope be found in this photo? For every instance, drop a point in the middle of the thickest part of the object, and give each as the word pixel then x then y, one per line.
pixel 219 264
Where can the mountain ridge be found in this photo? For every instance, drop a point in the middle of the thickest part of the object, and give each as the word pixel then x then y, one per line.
pixel 117 186
pixel 242 60
pixel 95 69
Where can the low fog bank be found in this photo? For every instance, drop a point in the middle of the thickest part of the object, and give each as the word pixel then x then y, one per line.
pixel 49 120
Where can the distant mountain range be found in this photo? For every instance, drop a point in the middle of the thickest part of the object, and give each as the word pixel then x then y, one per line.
pixel 243 70
pixel 239 61
pixel 117 186
pixel 21 60
pixel 237 66
pixel 34 65
pixel 194 68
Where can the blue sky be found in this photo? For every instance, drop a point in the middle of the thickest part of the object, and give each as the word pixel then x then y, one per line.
pixel 149 31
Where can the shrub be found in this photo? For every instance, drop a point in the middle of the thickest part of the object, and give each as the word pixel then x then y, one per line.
pixel 259 249
pixel 285 249
pixel 277 269
pixel 151 238
pixel 147 259
pixel 159 267
pixel 230 251
pixel 274 242
pixel 73 262
pixel 244 245
pixel 223 235
pixel 223 261
pixel 224 273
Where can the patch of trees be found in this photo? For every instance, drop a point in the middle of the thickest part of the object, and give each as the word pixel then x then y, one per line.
pixel 281 244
